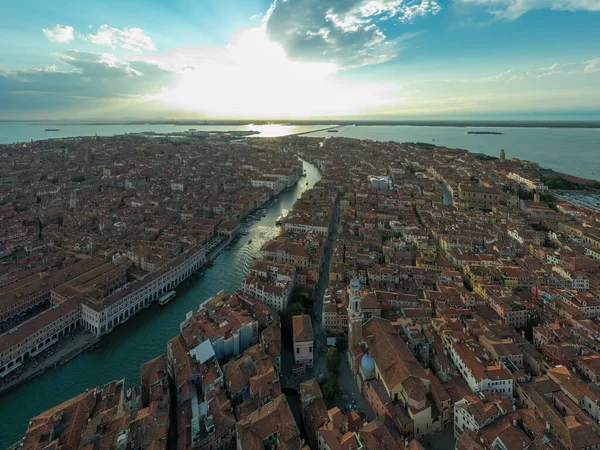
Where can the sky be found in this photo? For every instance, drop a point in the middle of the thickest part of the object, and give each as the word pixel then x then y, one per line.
pixel 280 59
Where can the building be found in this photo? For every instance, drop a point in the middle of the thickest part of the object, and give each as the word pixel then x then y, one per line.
pixel 404 379
pixel 20 297
pixel 480 376
pixel 303 340
pixel 479 197
pixel 382 182
pixel 272 426
pixel 474 412
pixel 271 283
pixel 101 315
pixel 36 334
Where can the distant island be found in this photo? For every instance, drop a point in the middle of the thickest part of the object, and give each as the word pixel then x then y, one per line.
pixel 484 132
pixel 591 123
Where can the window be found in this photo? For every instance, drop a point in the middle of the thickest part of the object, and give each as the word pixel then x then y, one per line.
pixel 297 349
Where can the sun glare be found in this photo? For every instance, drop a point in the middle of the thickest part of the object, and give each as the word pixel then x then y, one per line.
pixel 252 77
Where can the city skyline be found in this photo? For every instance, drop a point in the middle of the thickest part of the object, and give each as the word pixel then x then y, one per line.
pixel 367 59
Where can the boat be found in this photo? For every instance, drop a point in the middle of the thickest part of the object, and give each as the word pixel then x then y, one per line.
pixel 199 273
pixel 52 129
pixel 279 221
pixel 166 298
pixel 249 241
pixel 333 131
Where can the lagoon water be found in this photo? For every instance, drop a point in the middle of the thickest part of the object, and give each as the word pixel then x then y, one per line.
pixel 575 151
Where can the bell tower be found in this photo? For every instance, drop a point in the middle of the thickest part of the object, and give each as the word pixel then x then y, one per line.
pixel 355 314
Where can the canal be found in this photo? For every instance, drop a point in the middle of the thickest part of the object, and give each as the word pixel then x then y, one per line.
pixel 146 334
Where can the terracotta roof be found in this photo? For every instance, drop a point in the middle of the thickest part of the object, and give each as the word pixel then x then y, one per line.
pixel 303 330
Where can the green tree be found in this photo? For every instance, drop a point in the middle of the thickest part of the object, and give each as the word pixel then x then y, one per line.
pixel 332 361
pixel 330 389
pixel 341 343
pixel 295 309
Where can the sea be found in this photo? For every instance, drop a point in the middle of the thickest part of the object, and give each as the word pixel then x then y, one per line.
pixel 574 151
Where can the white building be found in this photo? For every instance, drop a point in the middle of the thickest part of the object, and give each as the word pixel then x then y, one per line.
pixel 531 185
pixel 101 316
pixel 382 182
pixel 474 412
pixel 271 182
pixel 479 375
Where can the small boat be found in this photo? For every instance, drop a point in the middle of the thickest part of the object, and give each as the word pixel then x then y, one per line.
pixel 166 298
pixel 249 241
pixel 52 129
pixel 209 264
pixel 307 183
pixel 279 221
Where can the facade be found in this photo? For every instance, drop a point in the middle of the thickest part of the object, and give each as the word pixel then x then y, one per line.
pixel 271 283
pixel 479 197
pixel 38 333
pixel 100 316
pixel 480 377
pixel 529 184
pixel 474 412
pixel 21 296
pixel 271 182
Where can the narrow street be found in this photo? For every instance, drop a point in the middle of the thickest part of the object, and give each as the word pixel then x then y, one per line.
pixel 320 338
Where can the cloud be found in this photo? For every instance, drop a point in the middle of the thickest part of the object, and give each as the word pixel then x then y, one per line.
pixel 59 33
pixel 513 9
pixel 554 69
pixel 344 32
pixel 253 77
pixel 89 79
pixel 128 38
pixel 593 65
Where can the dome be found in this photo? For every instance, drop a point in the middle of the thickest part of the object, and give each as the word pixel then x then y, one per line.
pixel 355 284
pixel 367 365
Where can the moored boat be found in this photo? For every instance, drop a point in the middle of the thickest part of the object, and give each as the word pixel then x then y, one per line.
pixel 166 298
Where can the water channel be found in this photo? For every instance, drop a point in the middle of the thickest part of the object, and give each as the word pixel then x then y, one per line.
pixel 146 334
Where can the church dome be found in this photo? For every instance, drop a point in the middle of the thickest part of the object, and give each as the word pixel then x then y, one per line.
pixel 355 284
pixel 367 365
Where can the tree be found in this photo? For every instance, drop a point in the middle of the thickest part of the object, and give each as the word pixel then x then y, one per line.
pixel 340 343
pixel 330 389
pixel 295 309
pixel 332 361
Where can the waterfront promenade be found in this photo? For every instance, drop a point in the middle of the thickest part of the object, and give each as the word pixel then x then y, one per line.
pixel 60 353
pixel 146 334
pixel 70 347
